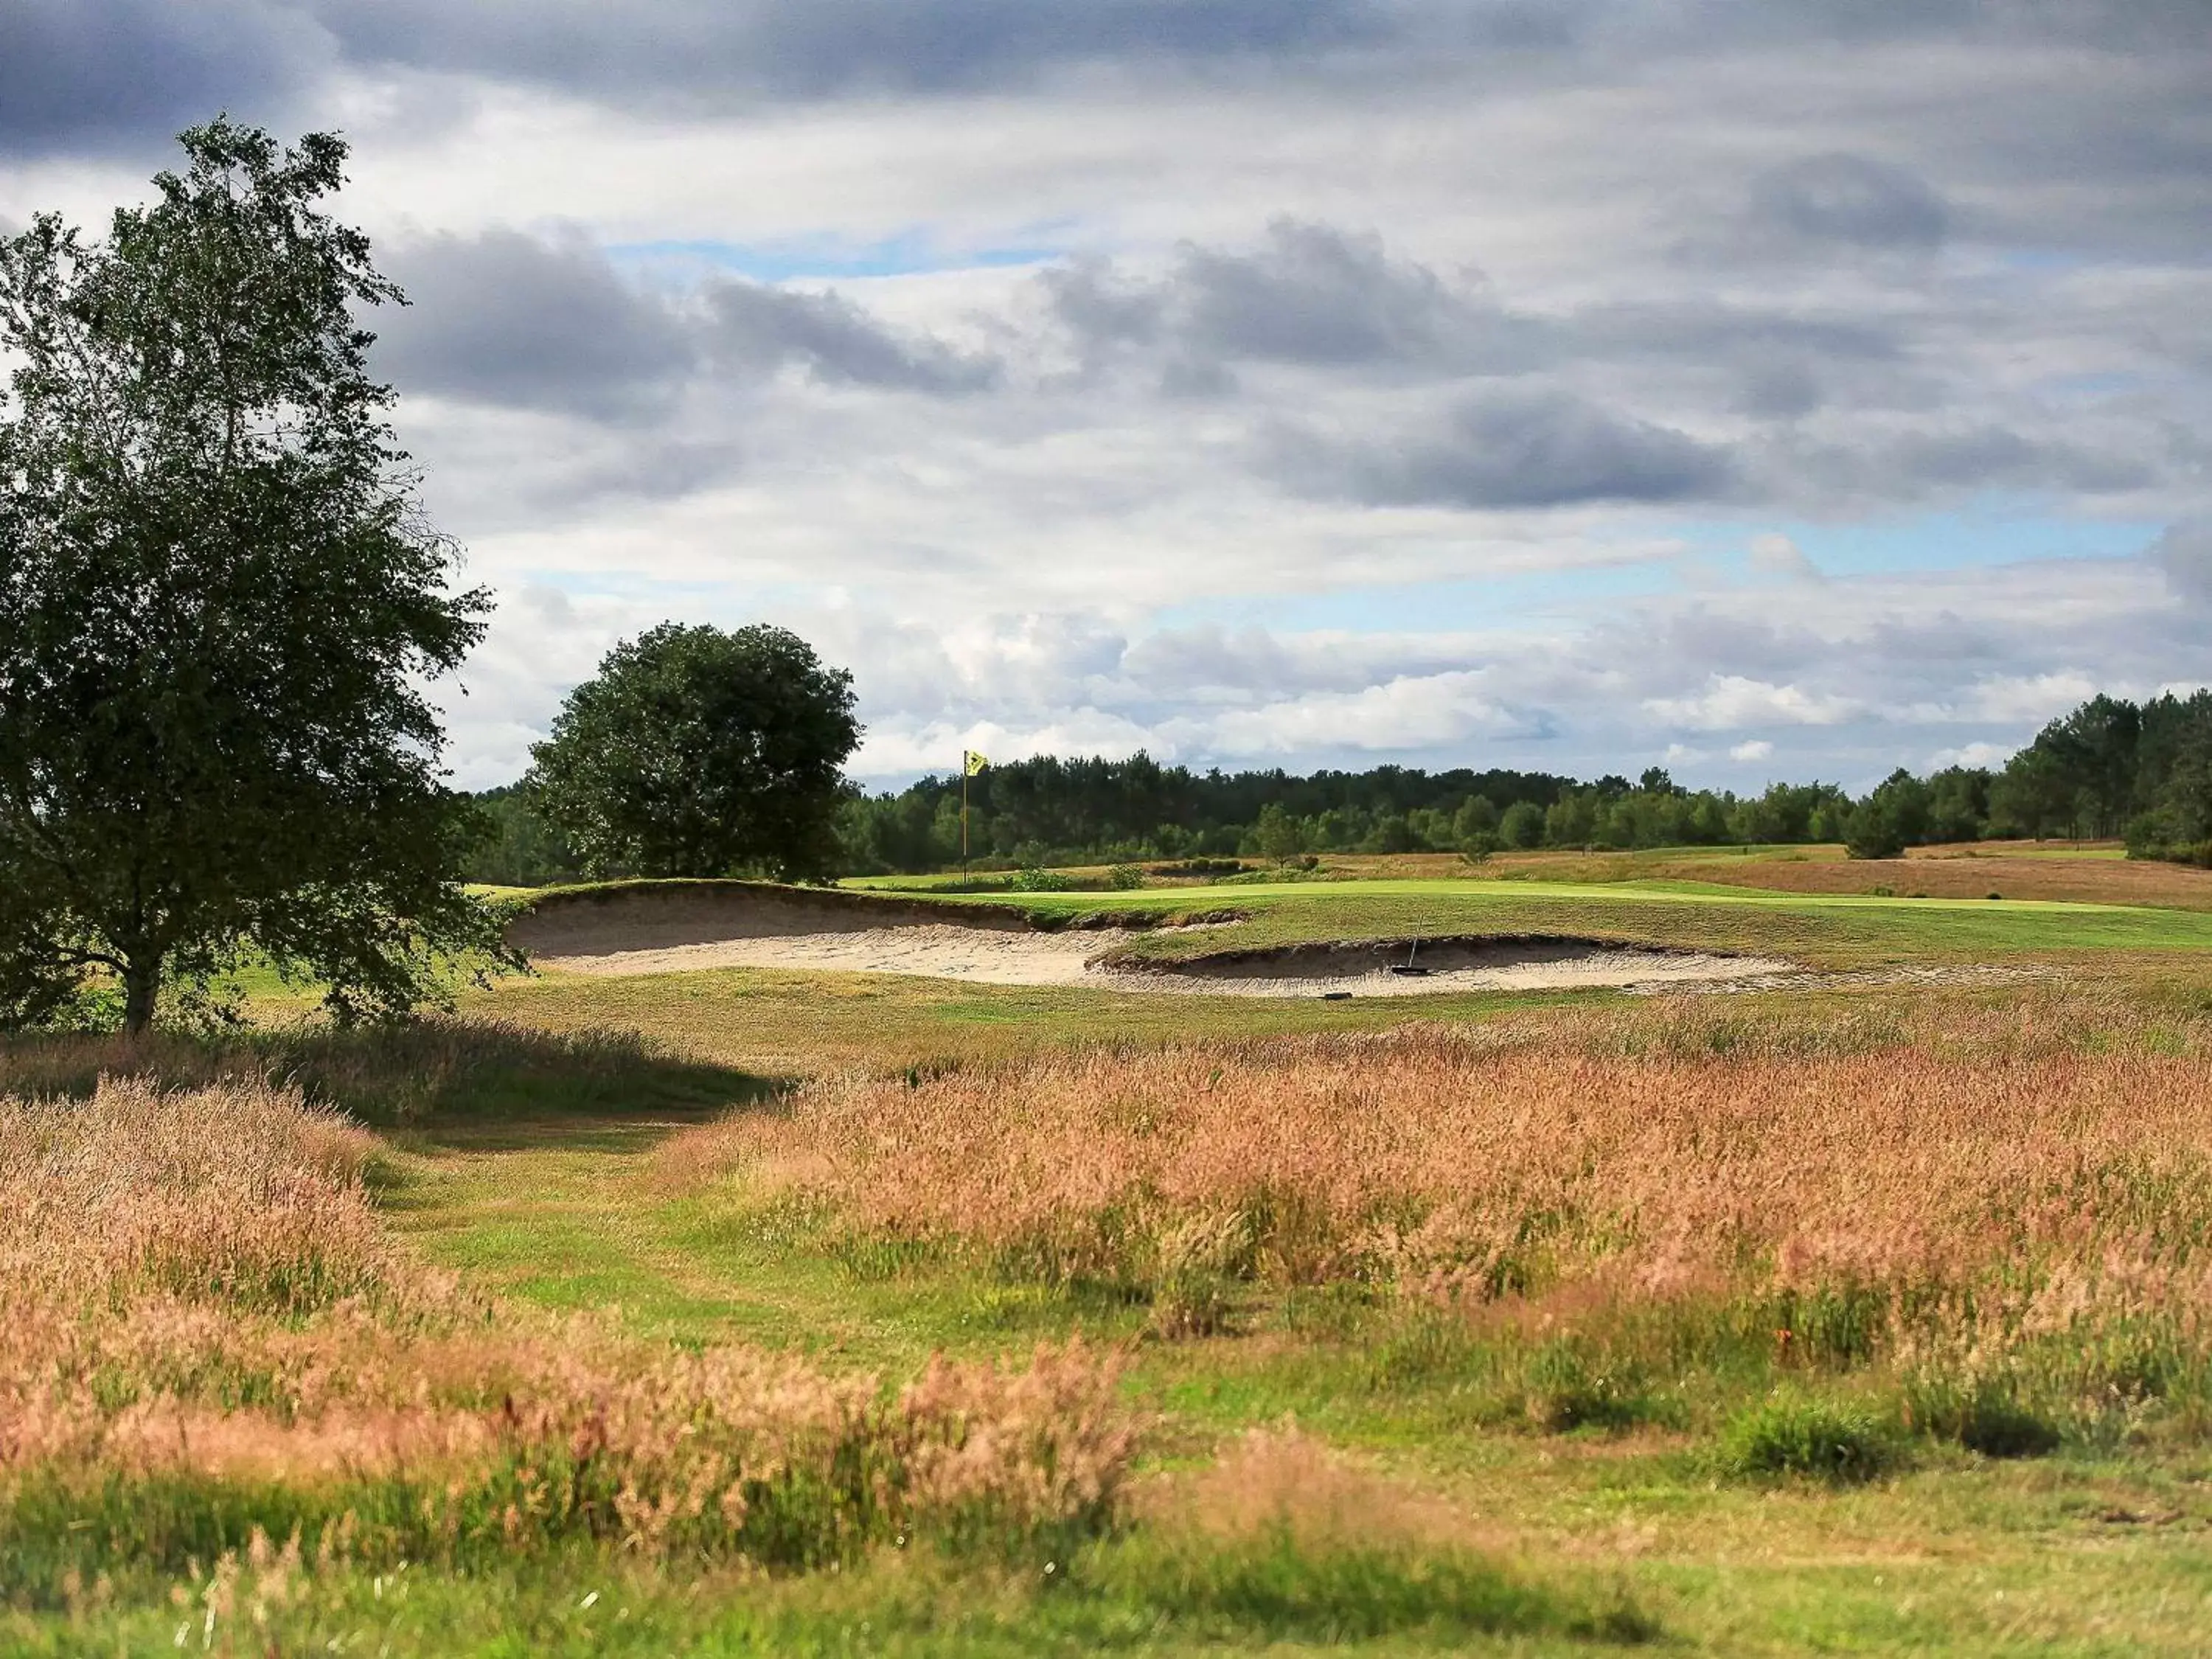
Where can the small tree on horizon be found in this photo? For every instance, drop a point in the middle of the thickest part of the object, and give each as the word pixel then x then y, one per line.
pixel 219 607
pixel 697 752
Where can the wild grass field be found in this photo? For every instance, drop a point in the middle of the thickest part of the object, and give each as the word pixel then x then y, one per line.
pixel 747 1310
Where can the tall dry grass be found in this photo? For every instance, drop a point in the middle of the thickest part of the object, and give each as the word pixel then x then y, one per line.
pixel 238 1194
pixel 208 1331
pixel 1944 1194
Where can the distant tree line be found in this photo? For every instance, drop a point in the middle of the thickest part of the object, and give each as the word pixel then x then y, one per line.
pixel 2109 768
pixel 1053 811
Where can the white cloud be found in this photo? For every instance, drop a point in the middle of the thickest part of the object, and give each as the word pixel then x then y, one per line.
pixel 1776 555
pixel 1990 755
pixel 1427 713
pixel 1841 278
pixel 1733 699
pixel 2017 698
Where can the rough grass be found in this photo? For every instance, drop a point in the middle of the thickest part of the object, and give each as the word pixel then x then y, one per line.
pixel 432 1070
pixel 223 1379
pixel 1537 1469
pixel 209 1334
pixel 2008 1201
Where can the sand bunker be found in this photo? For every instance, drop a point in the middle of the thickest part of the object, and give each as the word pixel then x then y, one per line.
pixel 985 955
pixel 1374 969
pixel 671 931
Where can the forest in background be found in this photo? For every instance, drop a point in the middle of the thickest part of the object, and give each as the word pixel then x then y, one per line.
pixel 2111 768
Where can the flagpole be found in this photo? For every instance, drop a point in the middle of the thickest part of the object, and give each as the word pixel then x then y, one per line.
pixel 963 813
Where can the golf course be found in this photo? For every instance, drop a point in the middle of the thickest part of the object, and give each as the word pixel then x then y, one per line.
pixel 1845 1296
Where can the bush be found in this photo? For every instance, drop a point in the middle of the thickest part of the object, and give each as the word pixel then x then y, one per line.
pixel 1280 1586
pixel 1873 834
pixel 1125 877
pixel 1030 879
pixel 1564 1390
pixel 1797 1435
pixel 1983 1416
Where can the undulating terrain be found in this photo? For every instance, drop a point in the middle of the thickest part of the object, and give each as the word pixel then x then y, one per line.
pixel 1852 1294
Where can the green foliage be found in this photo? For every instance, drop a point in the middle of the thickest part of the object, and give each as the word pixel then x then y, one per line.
pixel 2173 782
pixel 425 1071
pixel 696 752
pixel 1521 826
pixel 1567 1387
pixel 520 847
pixel 1278 1585
pixel 1280 836
pixel 219 608
pixel 1983 1414
pixel 1795 1434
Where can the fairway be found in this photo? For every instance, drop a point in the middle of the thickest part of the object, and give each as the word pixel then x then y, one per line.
pixel 1820 930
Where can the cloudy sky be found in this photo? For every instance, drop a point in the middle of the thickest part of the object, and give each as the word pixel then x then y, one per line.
pixel 1760 387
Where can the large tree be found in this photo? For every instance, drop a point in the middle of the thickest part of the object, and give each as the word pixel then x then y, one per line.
pixel 697 752
pixel 219 607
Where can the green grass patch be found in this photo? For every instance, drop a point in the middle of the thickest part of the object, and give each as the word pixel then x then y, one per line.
pixel 1792 1433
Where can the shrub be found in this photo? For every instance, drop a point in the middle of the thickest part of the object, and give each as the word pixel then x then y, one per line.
pixel 1791 1434
pixel 1564 1389
pixel 1125 877
pixel 1192 1274
pixel 1982 1414
pixel 1283 1539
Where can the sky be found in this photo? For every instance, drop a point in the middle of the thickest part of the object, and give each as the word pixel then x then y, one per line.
pixel 1758 388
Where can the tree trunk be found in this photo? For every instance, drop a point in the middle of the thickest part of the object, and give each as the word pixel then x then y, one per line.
pixel 142 985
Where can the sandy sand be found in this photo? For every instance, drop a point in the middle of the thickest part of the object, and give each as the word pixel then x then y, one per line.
pixel 940 952
pixel 995 958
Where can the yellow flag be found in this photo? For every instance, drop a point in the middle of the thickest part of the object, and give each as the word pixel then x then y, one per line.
pixel 972 762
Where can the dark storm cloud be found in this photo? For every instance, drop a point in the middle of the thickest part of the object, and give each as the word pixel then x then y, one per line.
pixel 502 318
pixel 1508 449
pixel 2184 553
pixel 506 319
pixel 95 74
pixel 1318 296
pixel 726 53
pixel 1311 294
pixel 1950 460
pixel 758 329
pixel 1848 199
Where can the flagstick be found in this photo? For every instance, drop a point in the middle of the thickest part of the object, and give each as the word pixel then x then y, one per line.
pixel 964 815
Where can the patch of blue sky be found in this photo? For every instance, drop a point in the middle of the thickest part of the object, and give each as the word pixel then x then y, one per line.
pixel 1994 533
pixel 2093 388
pixel 1709 553
pixel 909 254
pixel 2039 260
pixel 1522 600
pixel 696 597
